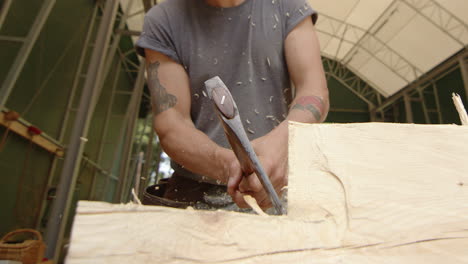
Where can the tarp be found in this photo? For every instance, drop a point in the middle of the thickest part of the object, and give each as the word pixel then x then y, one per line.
pixel 390 43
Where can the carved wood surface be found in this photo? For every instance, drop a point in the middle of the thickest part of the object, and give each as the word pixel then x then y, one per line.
pixel 358 193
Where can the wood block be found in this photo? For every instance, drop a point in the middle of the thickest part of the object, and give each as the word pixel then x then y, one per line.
pixel 358 193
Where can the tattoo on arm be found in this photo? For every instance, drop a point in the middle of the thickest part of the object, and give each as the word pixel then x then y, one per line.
pixel 313 104
pixel 161 99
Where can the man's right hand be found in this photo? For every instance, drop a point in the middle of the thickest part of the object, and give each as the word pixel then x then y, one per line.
pixel 232 175
pixel 169 85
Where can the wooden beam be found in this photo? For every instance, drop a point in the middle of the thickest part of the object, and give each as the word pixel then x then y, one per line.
pixel 40 140
pixel 358 193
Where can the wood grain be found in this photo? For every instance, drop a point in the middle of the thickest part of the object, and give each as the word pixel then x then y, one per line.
pixel 358 193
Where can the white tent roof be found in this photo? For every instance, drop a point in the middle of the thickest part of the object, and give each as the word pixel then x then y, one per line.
pixel 388 43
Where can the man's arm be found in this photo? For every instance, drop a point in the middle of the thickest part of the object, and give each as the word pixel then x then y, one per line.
pixel 302 50
pixel 170 98
pixel 310 105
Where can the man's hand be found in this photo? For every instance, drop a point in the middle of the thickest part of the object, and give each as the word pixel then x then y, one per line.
pixel 310 105
pixel 181 140
pixel 271 150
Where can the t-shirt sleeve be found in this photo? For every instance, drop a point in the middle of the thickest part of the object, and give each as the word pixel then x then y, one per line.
pixel 156 34
pixel 295 11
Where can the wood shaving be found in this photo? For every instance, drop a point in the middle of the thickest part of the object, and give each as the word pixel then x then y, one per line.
pixel 460 108
pixel 137 201
pixel 254 205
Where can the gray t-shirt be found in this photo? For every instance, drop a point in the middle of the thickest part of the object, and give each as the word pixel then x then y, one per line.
pixel 243 45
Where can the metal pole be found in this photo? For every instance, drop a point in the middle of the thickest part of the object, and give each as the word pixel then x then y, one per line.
pixel 113 48
pixel 23 54
pixel 139 143
pixel 464 73
pixel 104 130
pixel 130 131
pixel 126 184
pixel 116 155
pixel 107 66
pixel 123 130
pixel 408 110
pixel 58 218
pixel 138 173
pixel 4 11
pixel 424 107
pixel 136 162
pixel 148 161
pixel 66 116
pixel 436 97
pixel 373 116
pixel 396 113
pixel 434 74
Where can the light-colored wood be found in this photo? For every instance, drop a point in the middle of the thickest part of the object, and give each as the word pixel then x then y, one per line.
pixel 358 193
pixel 39 140
pixel 460 109
pixel 379 182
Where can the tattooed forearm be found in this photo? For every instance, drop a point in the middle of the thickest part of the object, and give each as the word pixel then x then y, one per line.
pixel 161 100
pixel 312 104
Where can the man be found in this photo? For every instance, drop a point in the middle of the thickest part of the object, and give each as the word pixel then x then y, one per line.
pixel 257 47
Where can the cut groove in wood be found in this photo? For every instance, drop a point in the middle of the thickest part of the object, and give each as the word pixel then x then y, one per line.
pixel 357 193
